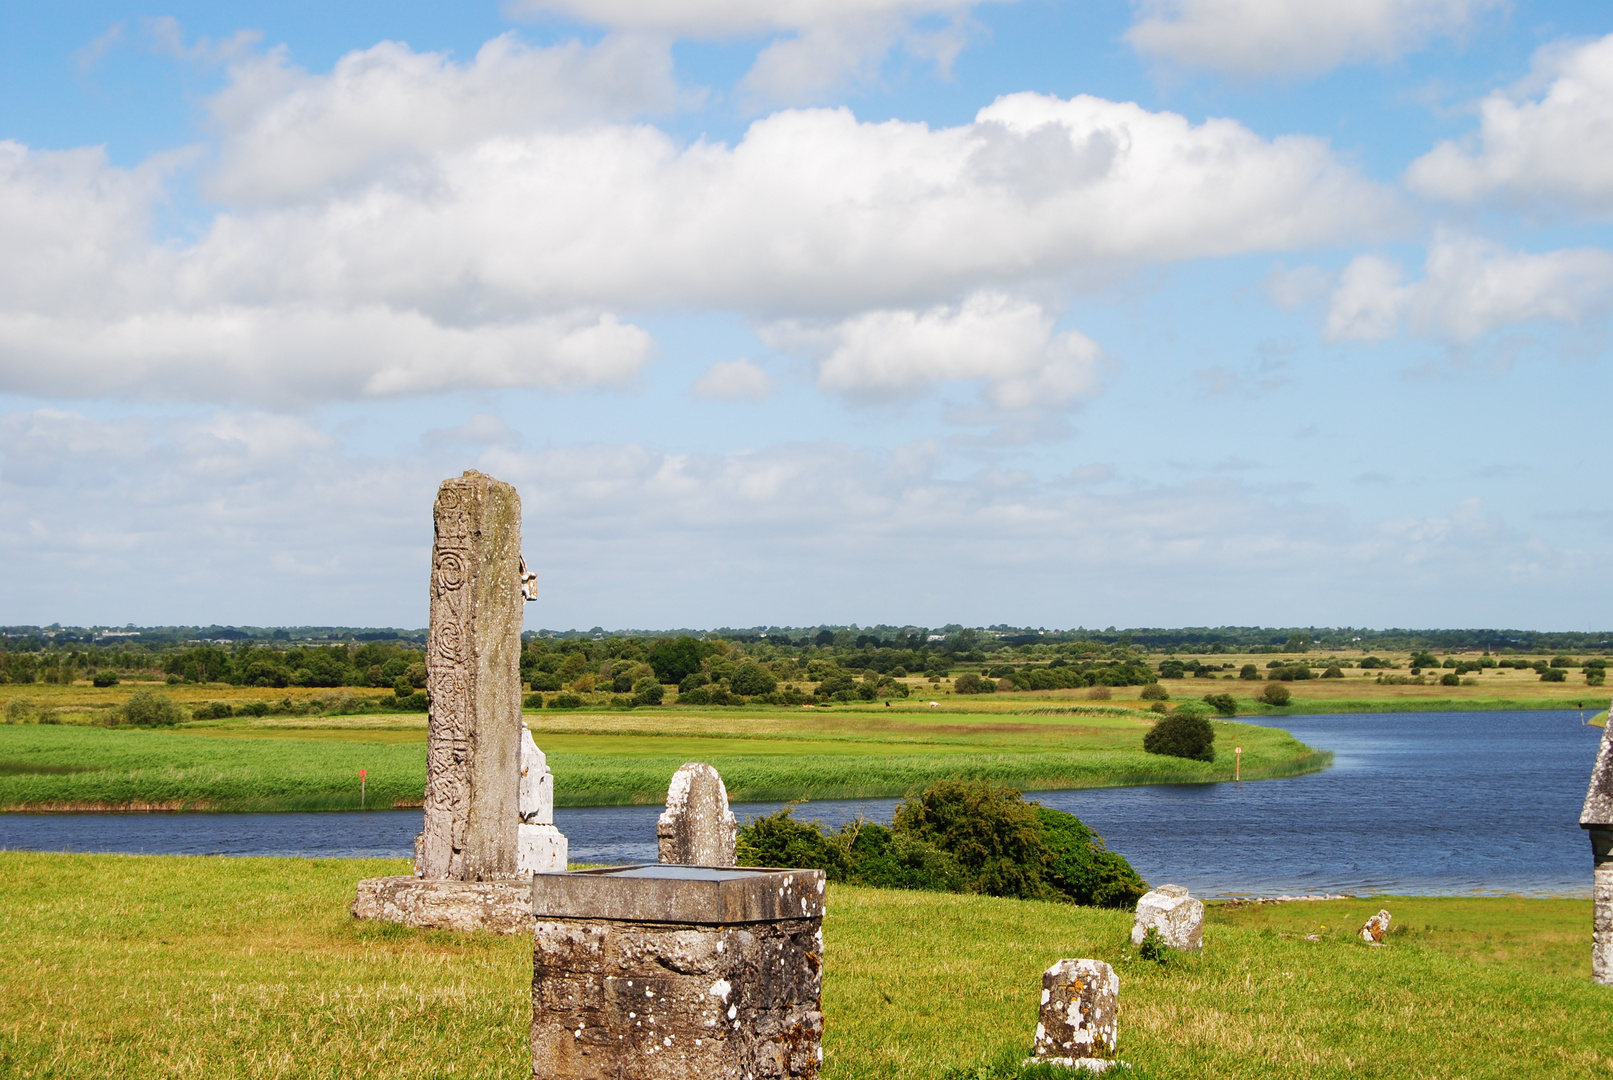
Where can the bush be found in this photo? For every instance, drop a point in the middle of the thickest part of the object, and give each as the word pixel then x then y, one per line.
pixel 211 710
pixel 105 678
pixel 751 679
pixel 968 683
pixel 532 701
pixel 1155 692
pixel 253 708
pixel 1554 674
pixel 1082 869
pixel 1158 707
pixel 1171 669
pixel 415 675
pixel 1595 676
pixel 1099 693
pixel 1222 703
pixel 419 701
pixel 1450 678
pixel 1276 694
pixel 1153 948
pixel 565 701
pixel 1368 662
pixel 1334 672
pixel 23 710
pixel 148 708
pixel 1184 735
pixel 545 680
pixel 1250 672
pixel 647 691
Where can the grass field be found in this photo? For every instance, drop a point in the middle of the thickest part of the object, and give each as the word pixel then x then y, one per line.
pixel 312 763
pixel 207 967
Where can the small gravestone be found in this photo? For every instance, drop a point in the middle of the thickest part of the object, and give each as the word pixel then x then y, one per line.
pixel 1597 820
pixel 1174 913
pixel 1375 928
pixel 541 846
pixel 1079 1023
pixel 697 828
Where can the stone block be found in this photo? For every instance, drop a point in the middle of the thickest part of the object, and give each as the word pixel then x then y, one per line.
pixel 1079 1024
pixel 503 907
pixel 1178 917
pixel 698 828
pixel 657 892
pixel 1375 928
pixel 1602 926
pixel 542 849
pixel 536 789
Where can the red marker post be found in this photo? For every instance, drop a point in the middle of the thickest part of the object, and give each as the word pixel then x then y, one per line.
pixel 1237 763
pixel 363 776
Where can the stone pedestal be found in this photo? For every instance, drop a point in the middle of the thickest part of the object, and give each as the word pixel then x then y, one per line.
pixel 502 907
pixel 669 972
pixel 540 847
pixel 697 828
pixel 1178 917
pixel 1079 1024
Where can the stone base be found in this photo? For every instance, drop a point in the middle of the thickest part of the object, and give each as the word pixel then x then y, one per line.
pixel 1177 916
pixel 540 849
pixel 669 1001
pixel 504 907
pixel 1096 1065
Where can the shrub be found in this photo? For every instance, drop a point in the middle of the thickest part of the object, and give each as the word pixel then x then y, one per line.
pixel 1153 948
pixel 253 708
pixel 1250 672
pixel 1564 661
pixel 1369 662
pixel 565 701
pixel 545 680
pixel 1275 694
pixel 968 683
pixel 1595 676
pixel 1155 692
pixel 1334 672
pixel 1450 678
pixel 1554 674
pixel 1171 669
pixel 1184 735
pixel 690 682
pixel 211 710
pixel 647 691
pixel 1082 869
pixel 532 701
pixel 23 710
pixel 1158 707
pixel 698 695
pixel 1222 703
pixel 992 832
pixel 1099 693
pixel 105 678
pixel 415 675
pixel 419 701
pixel 148 708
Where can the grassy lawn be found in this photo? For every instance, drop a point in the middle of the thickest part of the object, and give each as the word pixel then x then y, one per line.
pixel 208 967
pixel 312 763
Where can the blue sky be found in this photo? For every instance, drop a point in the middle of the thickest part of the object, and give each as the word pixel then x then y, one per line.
pixel 1173 312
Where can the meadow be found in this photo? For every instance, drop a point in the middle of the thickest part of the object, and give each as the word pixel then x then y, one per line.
pixel 312 763
pixel 217 967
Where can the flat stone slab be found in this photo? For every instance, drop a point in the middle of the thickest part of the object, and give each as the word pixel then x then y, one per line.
pixel 691 895
pixel 503 907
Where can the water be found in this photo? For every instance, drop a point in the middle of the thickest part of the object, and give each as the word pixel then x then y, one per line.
pixel 1415 803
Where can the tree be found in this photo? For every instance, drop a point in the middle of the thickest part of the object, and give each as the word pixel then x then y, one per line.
pixel 1183 735
pixel 1155 692
pixel 751 678
pixel 1224 704
pixel 967 683
pixel 675 659
pixel 648 692
pixel 1276 694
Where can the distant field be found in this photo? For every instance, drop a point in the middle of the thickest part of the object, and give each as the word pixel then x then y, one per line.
pixel 164 967
pixel 312 763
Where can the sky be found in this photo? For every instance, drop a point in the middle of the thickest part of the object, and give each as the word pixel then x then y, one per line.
pixel 1147 313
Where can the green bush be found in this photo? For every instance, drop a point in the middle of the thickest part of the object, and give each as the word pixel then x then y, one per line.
pixel 1276 694
pixel 1155 692
pixel 1554 674
pixel 1450 678
pixel 1334 672
pixel 253 708
pixel 1595 676
pixel 751 679
pixel 565 701
pixel 545 680
pixel 1184 735
pixel 148 708
pixel 211 710
pixel 647 691
pixel 105 678
pixel 957 836
pixel 1249 672
pixel 532 701
pixel 1224 704
pixel 968 683
pixel 419 701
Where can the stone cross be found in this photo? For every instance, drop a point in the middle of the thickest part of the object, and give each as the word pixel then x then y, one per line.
pixel 473 675
pixel 1597 819
pixel 1079 1024
pixel 541 847
pixel 698 828
pixel 1174 913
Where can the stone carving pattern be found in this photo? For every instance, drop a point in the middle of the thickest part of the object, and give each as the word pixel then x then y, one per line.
pixel 450 683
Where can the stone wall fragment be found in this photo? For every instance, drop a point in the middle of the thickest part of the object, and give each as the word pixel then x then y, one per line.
pixel 698 828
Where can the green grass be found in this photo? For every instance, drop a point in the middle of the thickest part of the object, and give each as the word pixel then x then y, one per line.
pixel 311 764
pixel 207 967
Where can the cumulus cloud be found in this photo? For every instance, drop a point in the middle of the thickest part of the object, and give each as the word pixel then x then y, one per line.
pixel 1253 38
pixel 1469 288
pixel 1549 146
pixel 732 380
pixel 1005 342
pixel 812 44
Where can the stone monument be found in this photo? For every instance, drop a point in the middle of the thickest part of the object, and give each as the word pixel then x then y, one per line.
pixel 1597 819
pixel 1176 915
pixel 662 972
pixel 697 828
pixel 474 855
pixel 1375 928
pixel 1079 1025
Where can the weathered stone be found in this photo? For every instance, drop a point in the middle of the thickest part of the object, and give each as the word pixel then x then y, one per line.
pixel 697 828
pixel 543 849
pixel 504 907
pixel 1597 819
pixel 1602 925
pixel 1376 927
pixel 1178 917
pixel 1079 1023
pixel 473 678
pixel 716 987
pixel 536 797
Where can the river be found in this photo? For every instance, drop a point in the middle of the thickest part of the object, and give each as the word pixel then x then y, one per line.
pixel 1414 804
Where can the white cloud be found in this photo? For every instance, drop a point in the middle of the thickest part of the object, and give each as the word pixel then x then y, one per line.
pixel 1293 37
pixel 814 43
pixel 732 380
pixel 1469 288
pixel 1548 147
pixel 1005 342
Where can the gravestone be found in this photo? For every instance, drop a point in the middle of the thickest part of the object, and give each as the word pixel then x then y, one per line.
pixel 697 828
pixel 486 826
pixel 1597 820
pixel 1375 928
pixel 1079 1025
pixel 1178 917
